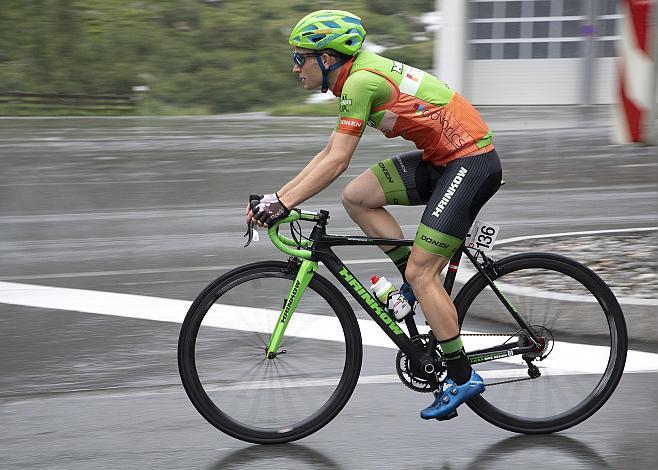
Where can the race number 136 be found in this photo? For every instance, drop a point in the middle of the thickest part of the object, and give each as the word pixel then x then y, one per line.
pixel 482 236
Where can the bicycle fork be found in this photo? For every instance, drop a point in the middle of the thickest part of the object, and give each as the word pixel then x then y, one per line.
pixel 304 276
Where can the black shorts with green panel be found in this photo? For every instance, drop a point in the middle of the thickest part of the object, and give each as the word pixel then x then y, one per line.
pixel 453 194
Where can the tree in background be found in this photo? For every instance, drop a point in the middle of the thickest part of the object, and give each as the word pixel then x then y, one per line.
pixel 217 55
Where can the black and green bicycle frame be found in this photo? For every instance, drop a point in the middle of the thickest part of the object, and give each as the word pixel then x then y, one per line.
pixel 317 248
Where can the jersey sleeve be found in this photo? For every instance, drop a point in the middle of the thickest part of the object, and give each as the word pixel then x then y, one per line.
pixel 359 92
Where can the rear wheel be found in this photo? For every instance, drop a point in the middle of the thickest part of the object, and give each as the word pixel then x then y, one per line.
pixel 582 350
pixel 230 381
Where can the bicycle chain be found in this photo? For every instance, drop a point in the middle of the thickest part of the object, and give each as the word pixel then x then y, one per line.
pixel 488 334
pixel 498 334
pixel 509 381
pixel 508 335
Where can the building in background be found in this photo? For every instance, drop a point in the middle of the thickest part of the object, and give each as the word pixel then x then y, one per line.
pixel 555 52
pixel 530 51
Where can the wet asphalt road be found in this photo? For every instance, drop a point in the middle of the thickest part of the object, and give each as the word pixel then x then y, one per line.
pixel 154 206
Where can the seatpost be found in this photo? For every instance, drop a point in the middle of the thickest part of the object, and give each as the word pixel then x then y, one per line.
pixel 452 270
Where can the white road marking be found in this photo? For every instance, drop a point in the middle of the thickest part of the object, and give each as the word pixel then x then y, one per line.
pixel 463 274
pixel 569 234
pixel 304 325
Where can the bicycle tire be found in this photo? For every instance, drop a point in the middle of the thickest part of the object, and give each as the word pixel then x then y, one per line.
pixel 189 354
pixel 594 296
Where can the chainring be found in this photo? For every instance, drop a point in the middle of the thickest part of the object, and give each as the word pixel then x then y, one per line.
pixel 409 373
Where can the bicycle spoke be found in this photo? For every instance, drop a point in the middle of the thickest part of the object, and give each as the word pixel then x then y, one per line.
pixel 268 397
pixel 550 296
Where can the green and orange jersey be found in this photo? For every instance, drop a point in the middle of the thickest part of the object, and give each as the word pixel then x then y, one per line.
pixel 401 100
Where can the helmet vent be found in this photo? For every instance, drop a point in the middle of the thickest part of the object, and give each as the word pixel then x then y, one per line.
pixel 348 19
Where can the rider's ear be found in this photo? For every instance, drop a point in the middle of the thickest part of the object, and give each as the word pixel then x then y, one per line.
pixel 326 61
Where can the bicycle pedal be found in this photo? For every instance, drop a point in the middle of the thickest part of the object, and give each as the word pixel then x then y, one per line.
pixel 452 414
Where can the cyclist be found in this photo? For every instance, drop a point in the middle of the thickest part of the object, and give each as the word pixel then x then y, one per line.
pixel 454 172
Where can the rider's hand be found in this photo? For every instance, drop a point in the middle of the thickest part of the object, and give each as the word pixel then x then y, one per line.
pixel 269 211
pixel 254 200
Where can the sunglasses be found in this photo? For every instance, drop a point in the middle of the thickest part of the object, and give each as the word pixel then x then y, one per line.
pixel 299 58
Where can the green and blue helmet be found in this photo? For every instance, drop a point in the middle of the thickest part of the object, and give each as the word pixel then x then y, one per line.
pixel 329 29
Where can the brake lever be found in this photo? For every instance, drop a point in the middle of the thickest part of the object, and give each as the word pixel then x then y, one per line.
pixel 254 199
pixel 250 234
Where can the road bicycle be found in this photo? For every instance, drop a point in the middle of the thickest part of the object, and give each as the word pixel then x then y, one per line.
pixel 270 352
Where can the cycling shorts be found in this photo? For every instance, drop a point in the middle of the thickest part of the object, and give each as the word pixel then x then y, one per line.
pixel 453 194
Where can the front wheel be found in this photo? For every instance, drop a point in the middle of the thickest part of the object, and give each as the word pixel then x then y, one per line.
pixel 583 342
pixel 260 399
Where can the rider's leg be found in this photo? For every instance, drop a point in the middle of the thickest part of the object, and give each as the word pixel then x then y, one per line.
pixel 462 382
pixel 391 181
pixel 463 187
pixel 363 199
pixel 422 273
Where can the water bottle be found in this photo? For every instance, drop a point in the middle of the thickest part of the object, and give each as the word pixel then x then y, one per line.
pixel 388 295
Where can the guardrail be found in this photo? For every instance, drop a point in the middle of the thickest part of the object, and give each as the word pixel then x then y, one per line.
pixel 69 101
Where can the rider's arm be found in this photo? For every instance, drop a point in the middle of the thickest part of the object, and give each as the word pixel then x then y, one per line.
pixel 300 176
pixel 360 91
pixel 324 172
pixel 310 167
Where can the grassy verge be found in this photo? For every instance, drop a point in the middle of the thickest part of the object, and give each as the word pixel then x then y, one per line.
pixel 145 108
pixel 25 111
pixel 155 108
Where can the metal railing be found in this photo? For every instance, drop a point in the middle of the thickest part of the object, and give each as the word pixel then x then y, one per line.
pixel 69 101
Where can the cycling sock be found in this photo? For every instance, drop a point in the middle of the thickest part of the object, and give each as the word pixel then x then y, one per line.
pixel 400 255
pixel 459 368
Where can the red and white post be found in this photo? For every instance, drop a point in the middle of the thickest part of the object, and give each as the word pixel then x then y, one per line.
pixel 635 111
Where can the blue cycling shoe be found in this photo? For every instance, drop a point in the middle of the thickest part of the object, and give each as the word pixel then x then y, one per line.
pixel 405 289
pixel 453 395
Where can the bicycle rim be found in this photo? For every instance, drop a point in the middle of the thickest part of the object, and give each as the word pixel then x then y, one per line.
pixel 585 342
pixel 268 400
